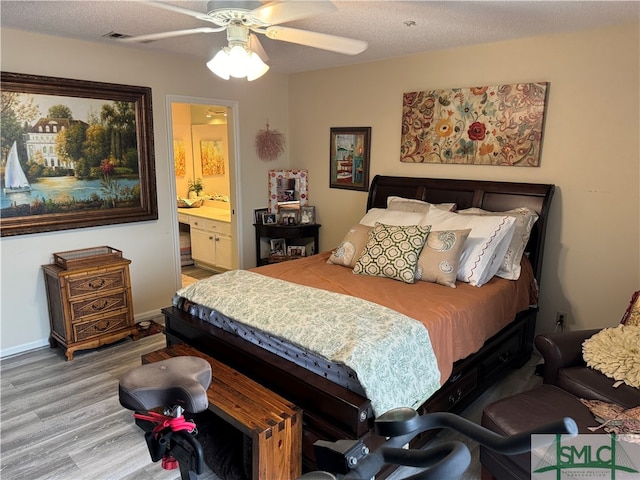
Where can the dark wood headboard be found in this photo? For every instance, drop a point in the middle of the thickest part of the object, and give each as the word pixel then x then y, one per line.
pixel 492 196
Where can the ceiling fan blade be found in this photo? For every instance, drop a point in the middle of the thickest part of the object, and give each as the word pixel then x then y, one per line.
pixel 324 41
pixel 256 46
pixel 176 33
pixel 183 11
pixel 274 13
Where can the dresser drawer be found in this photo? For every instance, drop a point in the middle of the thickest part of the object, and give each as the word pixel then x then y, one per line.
pixel 101 326
pixel 83 284
pixel 100 305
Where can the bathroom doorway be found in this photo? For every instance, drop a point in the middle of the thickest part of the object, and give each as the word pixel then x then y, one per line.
pixel 203 145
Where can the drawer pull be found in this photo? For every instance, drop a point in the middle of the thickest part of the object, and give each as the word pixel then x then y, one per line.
pixel 106 327
pixel 455 377
pixel 455 398
pixel 97 285
pixel 102 306
pixel 504 358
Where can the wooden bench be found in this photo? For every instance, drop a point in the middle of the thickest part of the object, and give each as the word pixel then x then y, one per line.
pixel 273 423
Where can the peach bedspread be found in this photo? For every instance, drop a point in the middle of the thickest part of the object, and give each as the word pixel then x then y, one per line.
pixel 459 320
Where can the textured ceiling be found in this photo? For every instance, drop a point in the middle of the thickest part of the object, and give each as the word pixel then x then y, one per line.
pixel 383 24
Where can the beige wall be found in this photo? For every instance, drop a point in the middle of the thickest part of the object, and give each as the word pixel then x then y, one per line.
pixel 152 246
pixel 590 151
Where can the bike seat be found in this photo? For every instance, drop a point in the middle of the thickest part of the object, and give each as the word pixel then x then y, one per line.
pixel 179 381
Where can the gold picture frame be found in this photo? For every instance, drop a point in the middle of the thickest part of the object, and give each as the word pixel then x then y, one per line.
pixel 117 177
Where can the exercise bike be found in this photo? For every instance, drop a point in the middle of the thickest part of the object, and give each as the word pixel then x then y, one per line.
pixel 180 385
pixel 176 385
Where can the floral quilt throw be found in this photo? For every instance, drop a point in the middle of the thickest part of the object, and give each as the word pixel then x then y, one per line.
pixel 390 352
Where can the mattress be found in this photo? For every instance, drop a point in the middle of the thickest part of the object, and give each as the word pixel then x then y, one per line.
pixel 459 320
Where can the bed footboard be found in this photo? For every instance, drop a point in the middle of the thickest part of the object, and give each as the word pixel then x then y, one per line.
pixel 332 412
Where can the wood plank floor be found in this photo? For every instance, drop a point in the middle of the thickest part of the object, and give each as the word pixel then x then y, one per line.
pixel 62 420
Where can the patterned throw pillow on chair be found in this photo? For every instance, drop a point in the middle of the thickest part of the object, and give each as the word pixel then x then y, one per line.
pixel 392 251
pixel 632 314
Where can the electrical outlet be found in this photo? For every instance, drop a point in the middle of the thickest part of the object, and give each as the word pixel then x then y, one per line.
pixel 561 318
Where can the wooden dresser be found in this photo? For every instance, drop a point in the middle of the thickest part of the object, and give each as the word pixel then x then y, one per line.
pixel 89 298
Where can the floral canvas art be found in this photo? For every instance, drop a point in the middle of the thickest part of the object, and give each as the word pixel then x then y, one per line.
pixel 497 125
pixel 212 156
pixel 179 158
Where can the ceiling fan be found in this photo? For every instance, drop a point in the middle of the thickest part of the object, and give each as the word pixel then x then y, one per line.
pixel 241 17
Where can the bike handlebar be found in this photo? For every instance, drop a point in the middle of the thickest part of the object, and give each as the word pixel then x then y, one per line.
pixel 445 461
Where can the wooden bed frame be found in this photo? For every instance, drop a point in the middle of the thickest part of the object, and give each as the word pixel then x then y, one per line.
pixel 331 412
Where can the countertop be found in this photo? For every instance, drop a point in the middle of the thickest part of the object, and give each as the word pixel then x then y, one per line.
pixel 214 213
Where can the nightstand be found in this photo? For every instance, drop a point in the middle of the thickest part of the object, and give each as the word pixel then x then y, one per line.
pixel 303 235
pixel 89 299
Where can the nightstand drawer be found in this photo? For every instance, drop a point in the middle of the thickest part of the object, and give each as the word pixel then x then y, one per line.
pixel 98 305
pixel 101 326
pixel 84 284
pixel 456 389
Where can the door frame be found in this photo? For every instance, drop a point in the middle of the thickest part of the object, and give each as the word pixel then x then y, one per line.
pixel 234 174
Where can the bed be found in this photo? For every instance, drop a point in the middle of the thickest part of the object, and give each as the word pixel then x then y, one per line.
pixel 470 355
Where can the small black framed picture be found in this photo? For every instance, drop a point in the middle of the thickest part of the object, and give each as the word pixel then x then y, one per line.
pixel 278 246
pixel 257 214
pixel 268 218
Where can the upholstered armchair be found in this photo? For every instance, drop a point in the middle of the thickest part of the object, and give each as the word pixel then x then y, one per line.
pixel 565 368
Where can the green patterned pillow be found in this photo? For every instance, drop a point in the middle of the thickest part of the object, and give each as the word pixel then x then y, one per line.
pixel 392 251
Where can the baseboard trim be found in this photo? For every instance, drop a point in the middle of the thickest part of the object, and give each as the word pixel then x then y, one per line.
pixel 25 347
pixel 44 342
pixel 150 315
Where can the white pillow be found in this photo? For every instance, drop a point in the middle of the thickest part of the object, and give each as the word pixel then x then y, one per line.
pixel 392 217
pixel 413 205
pixel 525 218
pixel 485 247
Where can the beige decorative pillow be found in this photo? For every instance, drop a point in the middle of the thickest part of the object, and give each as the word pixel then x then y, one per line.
pixel 525 219
pixel 392 251
pixel 350 249
pixel 485 247
pixel 440 257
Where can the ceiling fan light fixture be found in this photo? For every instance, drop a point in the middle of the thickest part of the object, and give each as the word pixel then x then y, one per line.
pixel 257 67
pixel 219 64
pixel 239 62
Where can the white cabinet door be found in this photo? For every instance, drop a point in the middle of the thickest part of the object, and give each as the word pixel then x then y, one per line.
pixel 203 247
pixel 223 251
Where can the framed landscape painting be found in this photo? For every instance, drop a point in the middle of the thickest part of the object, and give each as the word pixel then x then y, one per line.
pixel 74 154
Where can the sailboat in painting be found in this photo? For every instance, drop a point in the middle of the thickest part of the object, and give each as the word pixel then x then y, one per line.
pixel 15 180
